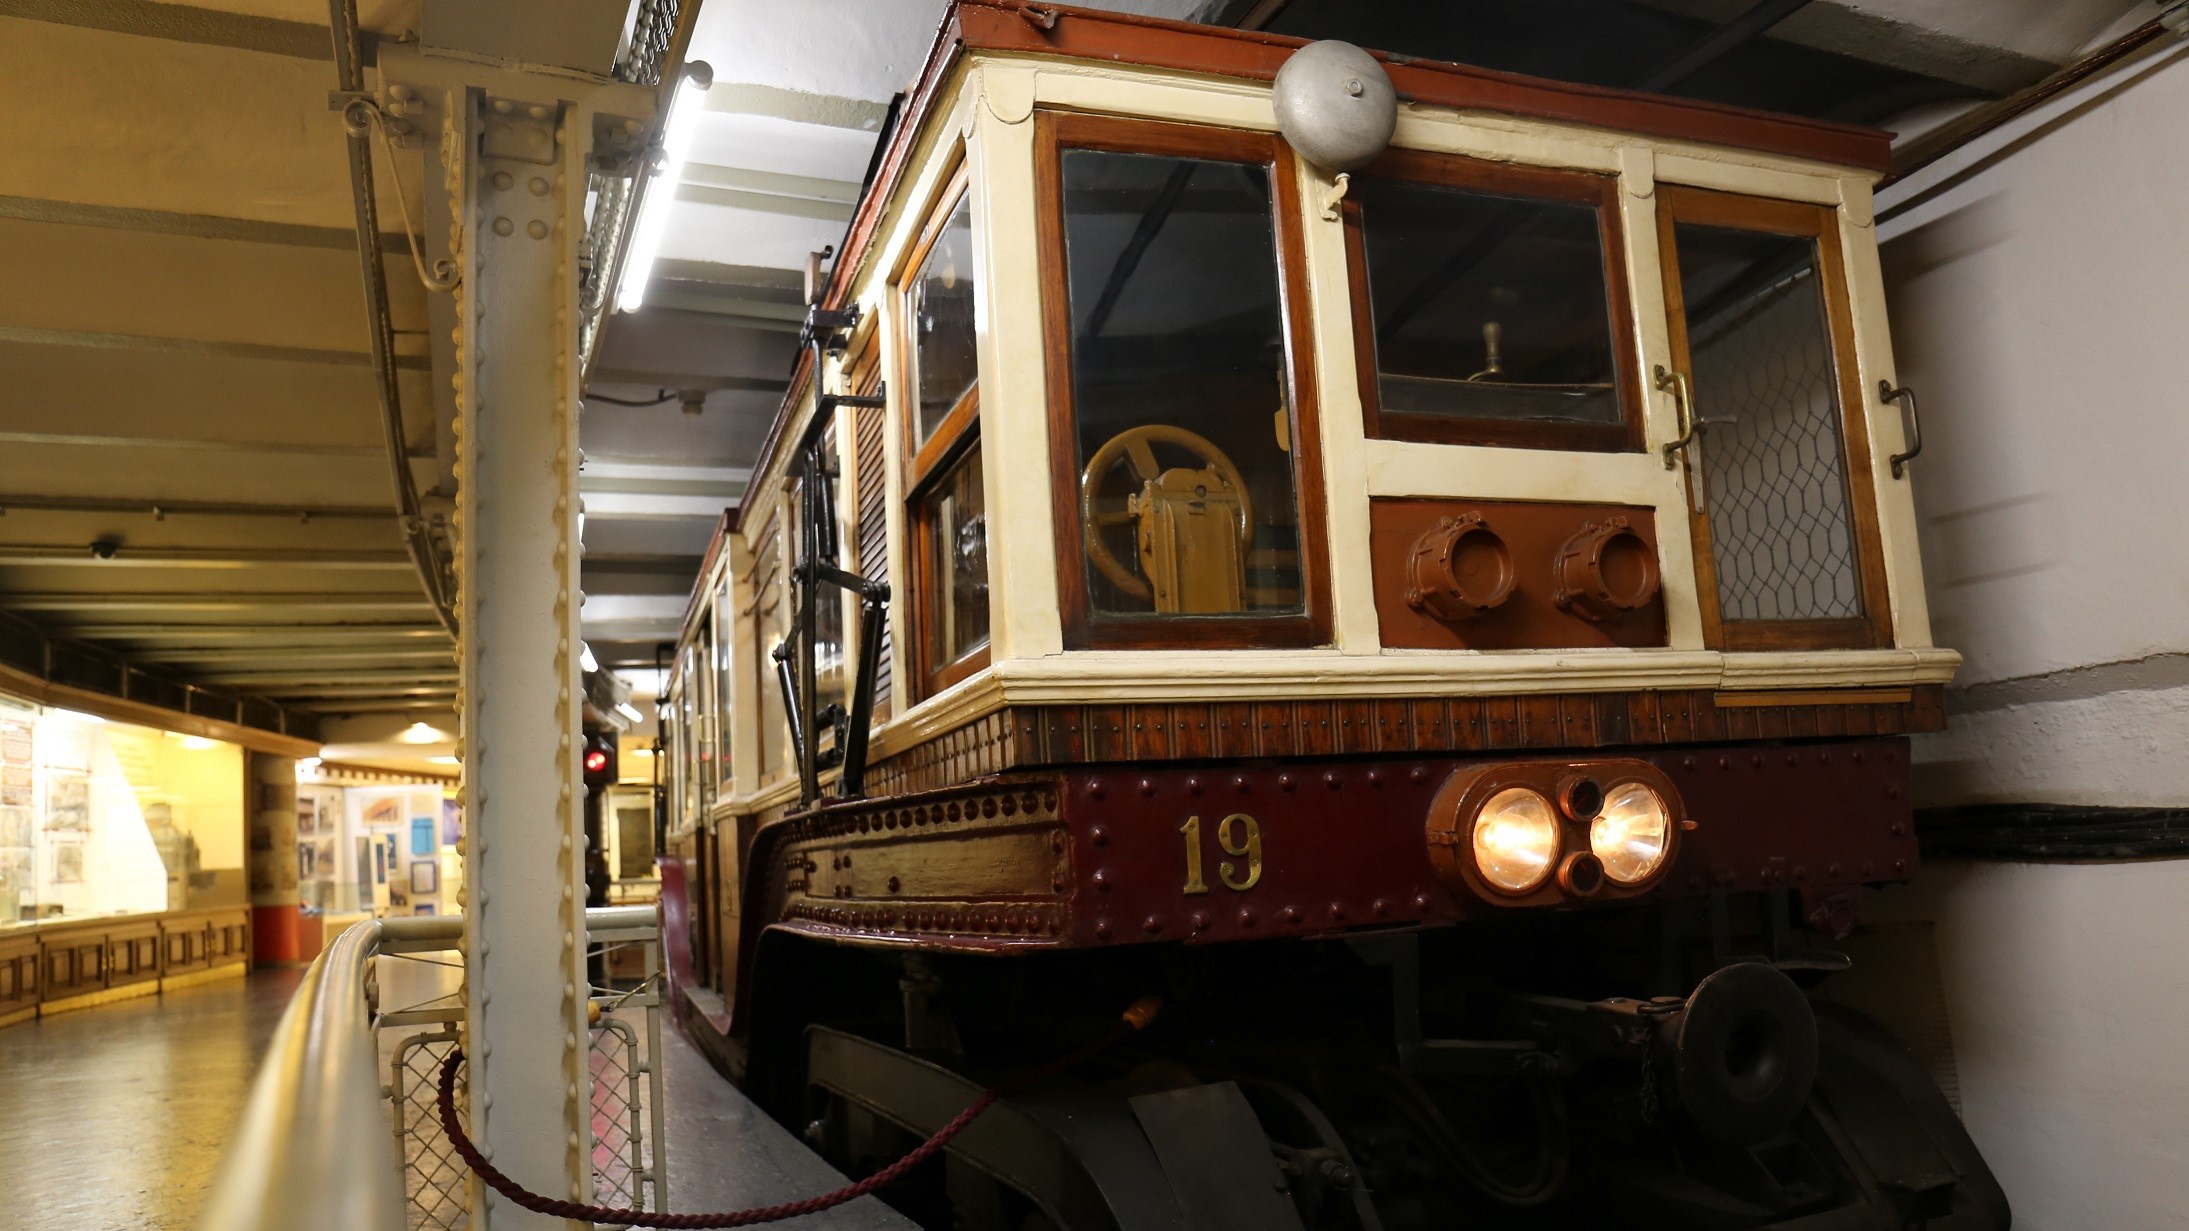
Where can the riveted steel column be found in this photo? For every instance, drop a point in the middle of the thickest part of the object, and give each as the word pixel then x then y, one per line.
pixel 516 170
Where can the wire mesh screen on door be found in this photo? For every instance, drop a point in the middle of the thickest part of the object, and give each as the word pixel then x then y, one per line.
pixel 1773 462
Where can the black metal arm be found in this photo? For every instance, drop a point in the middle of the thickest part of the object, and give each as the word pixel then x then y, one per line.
pixel 817 574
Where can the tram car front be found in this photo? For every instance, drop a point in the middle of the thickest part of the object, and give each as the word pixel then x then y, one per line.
pixel 1411 566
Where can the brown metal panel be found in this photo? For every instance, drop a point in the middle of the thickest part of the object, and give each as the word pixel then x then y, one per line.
pixel 1533 533
pixel 1394 726
pixel 1273 729
pixel 1235 735
pixel 1614 719
pixel 1577 719
pixel 1771 722
pixel 1193 731
pixel 1676 712
pixel 1105 729
pixel 1315 727
pixel 1709 720
pixel 1501 722
pixel 1929 705
pixel 1645 718
pixel 1539 722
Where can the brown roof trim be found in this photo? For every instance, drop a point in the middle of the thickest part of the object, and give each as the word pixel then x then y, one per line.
pixel 1007 25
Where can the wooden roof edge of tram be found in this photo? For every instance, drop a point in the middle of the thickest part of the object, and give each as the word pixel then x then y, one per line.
pixel 1154 42
pixel 1122 38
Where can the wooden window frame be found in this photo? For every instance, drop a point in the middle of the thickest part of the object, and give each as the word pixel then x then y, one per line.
pixel 1820 224
pixel 929 460
pixel 1055 132
pixel 926 453
pixel 931 676
pixel 1508 181
pixel 722 676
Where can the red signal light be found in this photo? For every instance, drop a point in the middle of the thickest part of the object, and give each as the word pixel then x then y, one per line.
pixel 595 760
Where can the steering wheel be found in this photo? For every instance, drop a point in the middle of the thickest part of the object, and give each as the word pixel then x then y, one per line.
pixel 1135 446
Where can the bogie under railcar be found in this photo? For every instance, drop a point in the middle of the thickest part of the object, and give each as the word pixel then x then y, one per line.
pixel 1410 566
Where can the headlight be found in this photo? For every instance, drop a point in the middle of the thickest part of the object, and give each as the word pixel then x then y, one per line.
pixel 1631 835
pixel 1516 839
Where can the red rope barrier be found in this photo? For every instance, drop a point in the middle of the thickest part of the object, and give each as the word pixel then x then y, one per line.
pixel 1135 1018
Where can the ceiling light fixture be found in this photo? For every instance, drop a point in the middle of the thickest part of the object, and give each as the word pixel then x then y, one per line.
pixel 629 711
pixel 586 659
pixel 658 191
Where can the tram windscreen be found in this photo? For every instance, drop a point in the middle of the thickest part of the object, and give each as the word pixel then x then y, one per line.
pixel 1487 307
pixel 1179 386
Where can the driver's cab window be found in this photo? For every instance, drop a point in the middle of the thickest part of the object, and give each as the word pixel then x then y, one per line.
pixel 1188 501
pixel 1490 306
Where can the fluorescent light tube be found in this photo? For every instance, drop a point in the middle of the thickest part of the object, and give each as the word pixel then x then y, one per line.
pixel 686 103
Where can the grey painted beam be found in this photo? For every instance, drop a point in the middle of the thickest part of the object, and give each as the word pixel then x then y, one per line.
pixel 160 510
pixel 674 380
pixel 274 683
pixel 798 106
pixel 301 655
pixel 80 555
pixel 305 632
pixel 763 202
pixel 213 602
pixel 183 23
pixel 190 444
pixel 234 350
pixel 190 226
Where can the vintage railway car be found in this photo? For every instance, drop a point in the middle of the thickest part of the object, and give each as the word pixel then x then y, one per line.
pixel 1412 565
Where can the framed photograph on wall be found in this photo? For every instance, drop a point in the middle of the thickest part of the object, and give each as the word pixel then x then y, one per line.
pixel 425 877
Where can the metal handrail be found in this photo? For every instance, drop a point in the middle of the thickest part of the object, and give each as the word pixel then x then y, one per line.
pixel 313 1148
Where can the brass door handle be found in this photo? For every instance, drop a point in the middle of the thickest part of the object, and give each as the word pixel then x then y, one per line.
pixel 1683 404
pixel 1906 397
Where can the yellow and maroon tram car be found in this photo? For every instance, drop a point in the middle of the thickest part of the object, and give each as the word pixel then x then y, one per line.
pixel 1448 623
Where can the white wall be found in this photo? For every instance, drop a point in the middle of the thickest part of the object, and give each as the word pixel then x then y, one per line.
pixel 2040 290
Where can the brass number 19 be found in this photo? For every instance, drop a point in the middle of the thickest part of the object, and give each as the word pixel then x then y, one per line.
pixel 1240 836
pixel 1192 830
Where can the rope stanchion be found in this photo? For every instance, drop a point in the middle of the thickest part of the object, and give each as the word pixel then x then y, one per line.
pixel 1134 1020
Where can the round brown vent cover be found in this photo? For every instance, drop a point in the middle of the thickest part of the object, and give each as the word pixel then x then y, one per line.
pixel 1605 570
pixel 1458 569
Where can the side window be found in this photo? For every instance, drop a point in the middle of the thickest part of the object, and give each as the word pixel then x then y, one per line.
pixel 939 303
pixel 946 517
pixel 770 616
pixel 1490 305
pixel 1189 500
pixel 701 692
pixel 722 672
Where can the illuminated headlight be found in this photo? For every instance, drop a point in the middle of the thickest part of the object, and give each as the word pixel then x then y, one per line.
pixel 1632 833
pixel 1516 839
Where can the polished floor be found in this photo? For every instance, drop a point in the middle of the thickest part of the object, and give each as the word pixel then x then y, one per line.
pixel 115 1115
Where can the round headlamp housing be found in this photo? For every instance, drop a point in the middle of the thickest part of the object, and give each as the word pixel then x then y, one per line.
pixel 1551 832
pixel 1632 833
pixel 1516 839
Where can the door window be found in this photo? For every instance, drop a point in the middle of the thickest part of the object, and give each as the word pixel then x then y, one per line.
pixel 1779 463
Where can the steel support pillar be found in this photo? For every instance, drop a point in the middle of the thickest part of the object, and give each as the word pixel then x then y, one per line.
pixel 513 162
